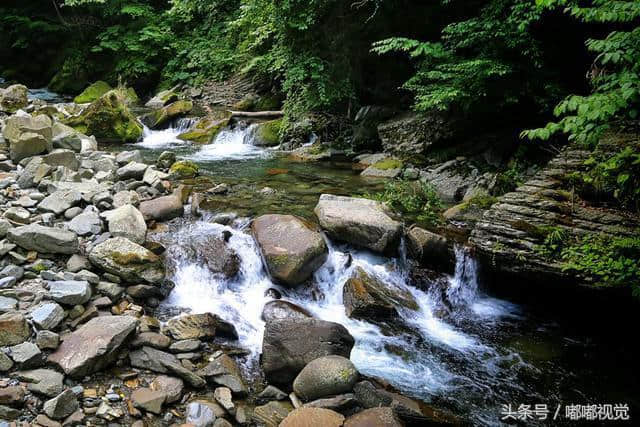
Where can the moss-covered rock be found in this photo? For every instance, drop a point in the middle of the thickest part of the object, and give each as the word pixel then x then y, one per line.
pixel 108 118
pixel 207 128
pixel 268 133
pixel 163 98
pixel 184 169
pixel 163 115
pixel 92 92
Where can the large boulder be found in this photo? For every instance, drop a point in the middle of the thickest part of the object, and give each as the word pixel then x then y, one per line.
pixel 379 417
pixel 108 118
pixel 267 134
pixel 162 98
pixel 325 376
pixel 13 98
pixel 94 345
pixel 28 136
pixel 361 222
pixel 92 92
pixel 430 248
pixel 70 292
pixel 127 221
pixel 367 297
pixel 279 309
pixel 128 260
pixel 289 344
pixel 291 249
pixel 207 128
pixel 162 208
pixel 43 239
pixel 163 115
pixel 66 137
pixel 210 250
pixel 311 417
pixel 417 134
pixel 224 371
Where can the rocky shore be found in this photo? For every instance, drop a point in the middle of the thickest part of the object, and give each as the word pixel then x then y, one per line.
pixel 81 278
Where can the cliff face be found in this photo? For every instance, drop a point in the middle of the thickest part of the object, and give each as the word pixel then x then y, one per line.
pixel 508 236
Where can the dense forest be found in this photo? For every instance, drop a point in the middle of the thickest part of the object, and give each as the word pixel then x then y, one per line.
pixel 318 212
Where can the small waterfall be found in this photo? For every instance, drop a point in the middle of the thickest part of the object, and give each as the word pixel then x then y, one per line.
pixel 235 143
pixel 463 286
pixel 165 137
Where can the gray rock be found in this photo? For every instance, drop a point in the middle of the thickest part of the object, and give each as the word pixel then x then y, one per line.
pixel 60 201
pixel 27 355
pixel 47 340
pixel 290 248
pixel 46 382
pixel 224 371
pixel 111 290
pixel 325 376
pixel 171 386
pixel 222 395
pixel 148 399
pixel 198 326
pixel 200 414
pixel 152 339
pixel 18 214
pixel 47 315
pixel 70 292
pixel 61 406
pixel 161 362
pixel 128 222
pixel 87 223
pixel 13 98
pixel 66 137
pixel 7 304
pixel 72 212
pixel 14 329
pixel 44 239
pixel 361 222
pixel 272 393
pixel 125 157
pixel 78 262
pixel 128 260
pixel 185 346
pixel 162 208
pixel 107 335
pixel 278 309
pixel 65 158
pixel 132 170
pixel 5 362
pixel 126 197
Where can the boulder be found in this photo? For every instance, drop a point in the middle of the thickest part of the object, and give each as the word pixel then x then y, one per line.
pixel 18 124
pixel 162 208
pixel 66 137
pixel 206 129
pixel 13 98
pixel 224 371
pixel 267 134
pixel 14 329
pixel 45 382
pixel 92 92
pixel 163 363
pixel 171 386
pixel 184 169
pixel 61 406
pixel 291 249
pixel 106 335
pixel 201 414
pixel 28 144
pixel 361 222
pixel 26 355
pixel 108 118
pixel 70 292
pixel 429 248
pixel 367 297
pixel 59 201
pixel 43 239
pixel 128 260
pixel 278 310
pixel 162 98
pixel 325 376
pixel 167 113
pixel 127 221
pixel 132 170
pixel 413 134
pixel 198 326
pixel 311 417
pixel 272 414
pixel 86 224
pixel 62 157
pixel 47 315
pixel 212 251
pixel 379 417
pixel 288 345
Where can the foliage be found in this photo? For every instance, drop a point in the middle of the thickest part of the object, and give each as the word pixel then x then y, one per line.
pixel 554 238
pixel 491 59
pixel 414 198
pixel 509 179
pixel 614 75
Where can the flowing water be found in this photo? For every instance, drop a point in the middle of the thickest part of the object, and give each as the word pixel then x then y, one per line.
pixel 460 349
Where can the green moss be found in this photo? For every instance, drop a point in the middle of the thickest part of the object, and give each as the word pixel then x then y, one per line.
pixel 129 258
pixel 93 92
pixel 268 133
pixel 481 201
pixel 163 115
pixel 389 163
pixel 206 129
pixel 267 103
pixel 184 169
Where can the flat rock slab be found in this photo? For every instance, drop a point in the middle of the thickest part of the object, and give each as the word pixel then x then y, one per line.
pixel 94 345
pixel 70 292
pixel 47 315
pixel 46 382
pixel 39 238
pixel 128 260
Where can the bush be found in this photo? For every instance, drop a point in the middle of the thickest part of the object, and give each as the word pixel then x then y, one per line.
pixel 413 198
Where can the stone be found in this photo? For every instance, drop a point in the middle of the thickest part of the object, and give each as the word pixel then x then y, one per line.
pixel 224 371
pixel 310 417
pixel 148 399
pixel 161 362
pixel 60 201
pixel 7 304
pixel 184 346
pixel 325 376
pixel 87 223
pixel 127 221
pixel 46 382
pixel 288 345
pixel 66 137
pixel 111 290
pixel 361 222
pixel 39 238
pixel 27 355
pixel 272 393
pixel 367 297
pixel 382 417
pixel 60 157
pixel 184 169
pixel 125 197
pixel 200 414
pixel 29 144
pixel 12 395
pixel 14 329
pixel 13 98
pixel 132 170
pixel 124 157
pixel 341 403
pixel 47 340
pixel 92 92
pixel 222 395
pixel 162 208
pixel 18 215
pixel 429 248
pixel 128 260
pixel 272 413
pixel 171 386
pixel 47 315
pixel 61 406
pixel 413 134
pixel 278 310
pixel 166 159
pixel 198 326
pixel 210 250
pixel 152 339
pixel 70 292
pixel 5 362
pixel 166 113
pixel 106 334
pixel 162 98
pixel 292 250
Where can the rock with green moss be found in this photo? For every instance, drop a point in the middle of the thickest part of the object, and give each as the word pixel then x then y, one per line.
pixel 163 115
pixel 109 119
pixel 93 92
pixel 267 134
pixel 184 169
pixel 207 128
pixel 163 98
pixel 386 168
pixel 128 260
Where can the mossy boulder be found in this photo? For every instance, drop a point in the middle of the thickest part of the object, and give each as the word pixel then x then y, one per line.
pixel 93 92
pixel 163 98
pixel 268 133
pixel 163 115
pixel 207 128
pixel 108 118
pixel 128 260
pixel 13 98
pixel 184 169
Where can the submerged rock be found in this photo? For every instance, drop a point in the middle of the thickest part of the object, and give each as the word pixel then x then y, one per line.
pixel 361 222
pixel 288 345
pixel 128 260
pixel 94 345
pixel 291 249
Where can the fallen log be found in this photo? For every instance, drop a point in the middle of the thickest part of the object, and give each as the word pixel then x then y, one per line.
pixel 257 114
